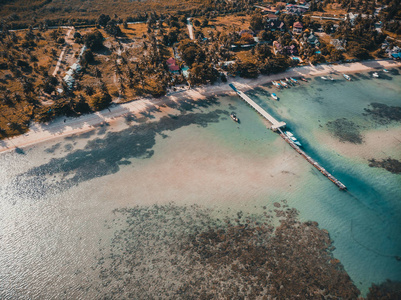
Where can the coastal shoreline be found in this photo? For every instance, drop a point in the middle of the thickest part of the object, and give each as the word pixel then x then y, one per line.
pixel 64 126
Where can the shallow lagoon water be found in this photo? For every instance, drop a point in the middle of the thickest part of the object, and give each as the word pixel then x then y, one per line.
pixel 58 197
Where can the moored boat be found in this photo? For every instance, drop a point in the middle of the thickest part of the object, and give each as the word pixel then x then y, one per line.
pixel 292 138
pixel 294 80
pixel 276 84
pixel 331 78
pixel 234 117
pixel 375 74
pixel 347 77
pixel 385 71
pixel 323 77
pixel 304 79
pixel 274 96
pixel 284 84
pixel 289 81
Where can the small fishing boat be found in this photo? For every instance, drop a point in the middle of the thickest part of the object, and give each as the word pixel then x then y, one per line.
pixel 294 80
pixel 347 77
pixel 289 81
pixel 375 74
pixel 284 84
pixel 234 117
pixel 292 138
pixel 385 70
pixel 324 77
pixel 274 96
pixel 331 78
pixel 276 84
pixel 304 79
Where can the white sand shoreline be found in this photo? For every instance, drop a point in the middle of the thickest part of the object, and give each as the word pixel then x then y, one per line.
pixel 63 126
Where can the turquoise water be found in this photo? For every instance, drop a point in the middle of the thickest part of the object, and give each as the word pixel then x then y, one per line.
pixel 58 197
pixel 365 222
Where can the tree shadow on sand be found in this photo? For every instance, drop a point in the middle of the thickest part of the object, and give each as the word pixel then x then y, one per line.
pixel 103 156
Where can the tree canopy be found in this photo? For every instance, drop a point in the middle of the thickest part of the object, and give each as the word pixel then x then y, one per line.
pixel 94 40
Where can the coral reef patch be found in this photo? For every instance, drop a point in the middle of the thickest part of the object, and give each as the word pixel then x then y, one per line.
pixel 186 252
pixel 345 130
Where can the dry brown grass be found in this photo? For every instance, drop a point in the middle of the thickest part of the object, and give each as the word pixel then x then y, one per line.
pixel 335 9
pixel 134 31
pixel 15 117
pixel 229 22
pixel 78 9
pixel 392 34
pixel 15 120
pixel 245 56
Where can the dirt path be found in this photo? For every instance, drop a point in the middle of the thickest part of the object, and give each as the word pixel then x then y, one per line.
pixel 190 29
pixel 68 41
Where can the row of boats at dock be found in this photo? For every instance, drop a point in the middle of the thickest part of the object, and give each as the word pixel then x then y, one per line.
pixel 292 138
pixel 285 83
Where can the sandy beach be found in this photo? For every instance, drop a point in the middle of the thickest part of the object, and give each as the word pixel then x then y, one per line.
pixel 67 126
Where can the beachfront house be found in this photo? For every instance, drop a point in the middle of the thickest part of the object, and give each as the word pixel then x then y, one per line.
pixel 311 39
pixel 290 50
pixel 173 66
pixel 271 17
pixel 275 25
pixel 297 28
pixel 339 44
pixel 394 53
pixel 277 48
pixel 296 9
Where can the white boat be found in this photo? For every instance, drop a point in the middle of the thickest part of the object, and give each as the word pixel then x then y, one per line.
pixel 323 77
pixel 296 142
pixel 375 74
pixel 284 84
pixel 331 78
pixel 276 84
pixel 294 80
pixel 347 77
pixel 385 71
pixel 289 81
pixel 274 96
pixel 292 138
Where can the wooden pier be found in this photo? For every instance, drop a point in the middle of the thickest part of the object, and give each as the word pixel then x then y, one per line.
pixel 313 162
pixel 276 126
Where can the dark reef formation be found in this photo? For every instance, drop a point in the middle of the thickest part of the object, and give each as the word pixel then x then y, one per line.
pixel 345 130
pixel 182 252
pixel 391 165
pixel 384 114
pixel 389 290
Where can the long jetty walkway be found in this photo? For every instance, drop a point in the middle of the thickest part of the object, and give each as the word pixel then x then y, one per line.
pixel 276 126
pixel 313 162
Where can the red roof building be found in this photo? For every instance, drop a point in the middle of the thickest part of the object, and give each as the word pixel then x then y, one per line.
pixel 172 65
pixel 297 28
pixel 171 61
pixel 271 16
pixel 174 68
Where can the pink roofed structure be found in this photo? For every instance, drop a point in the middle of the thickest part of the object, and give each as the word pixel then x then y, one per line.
pixel 171 61
pixel 297 27
pixel 172 65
